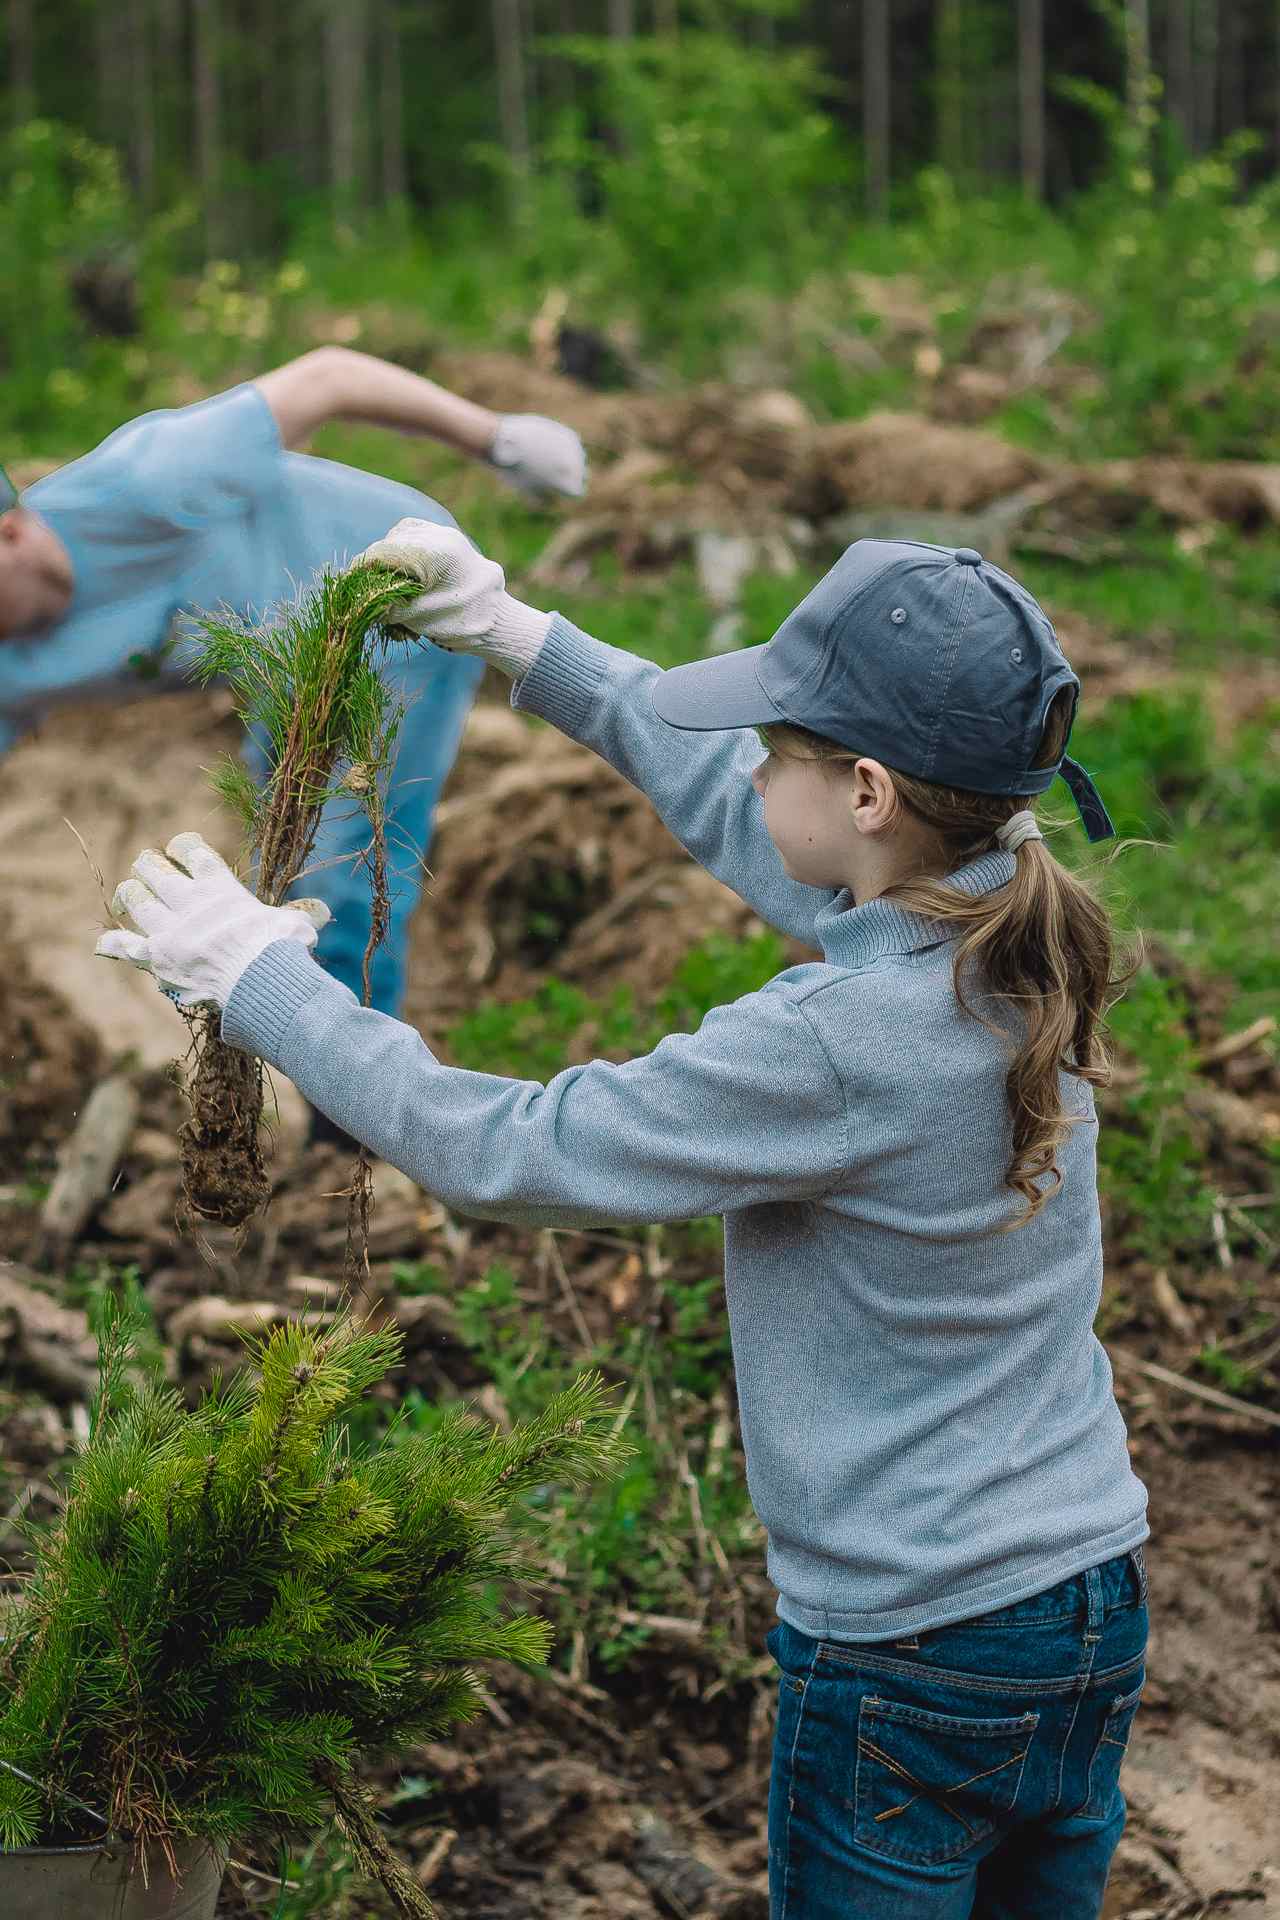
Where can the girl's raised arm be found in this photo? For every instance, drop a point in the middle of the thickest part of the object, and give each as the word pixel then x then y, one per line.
pixel 699 783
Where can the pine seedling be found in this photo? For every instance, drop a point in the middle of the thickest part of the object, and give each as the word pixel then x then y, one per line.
pixel 308 680
pixel 236 1605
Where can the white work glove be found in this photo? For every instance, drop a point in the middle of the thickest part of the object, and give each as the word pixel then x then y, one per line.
pixel 536 455
pixel 466 608
pixel 200 927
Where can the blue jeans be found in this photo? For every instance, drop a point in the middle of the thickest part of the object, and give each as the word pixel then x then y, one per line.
pixel 439 688
pixel 968 1773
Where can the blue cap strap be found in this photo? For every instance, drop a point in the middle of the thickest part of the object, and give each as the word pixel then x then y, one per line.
pixel 1097 821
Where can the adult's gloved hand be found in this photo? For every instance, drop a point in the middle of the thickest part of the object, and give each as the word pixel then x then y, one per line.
pixel 536 455
pixel 200 927
pixel 466 608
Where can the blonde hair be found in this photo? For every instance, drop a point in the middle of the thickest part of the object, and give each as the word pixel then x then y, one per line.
pixel 1044 943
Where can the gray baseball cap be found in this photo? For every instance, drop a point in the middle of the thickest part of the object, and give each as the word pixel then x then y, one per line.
pixel 927 658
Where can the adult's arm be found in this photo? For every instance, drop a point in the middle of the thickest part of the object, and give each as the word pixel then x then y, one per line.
pixel 336 383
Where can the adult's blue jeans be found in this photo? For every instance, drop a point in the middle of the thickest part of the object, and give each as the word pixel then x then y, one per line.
pixel 439 688
pixel 969 1773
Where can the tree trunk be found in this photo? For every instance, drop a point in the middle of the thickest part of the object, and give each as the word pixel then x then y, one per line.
pixel 172 89
pixel 950 90
pixel 344 67
pixel 22 61
pixel 1137 27
pixel 1206 72
pixel 666 19
pixel 204 80
pixel 1031 95
pixel 512 105
pixel 1178 64
pixel 142 112
pixel 391 104
pixel 622 19
pixel 876 104
pixel 1231 93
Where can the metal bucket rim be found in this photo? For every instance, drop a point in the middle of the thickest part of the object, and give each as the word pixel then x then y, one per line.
pixel 110 1843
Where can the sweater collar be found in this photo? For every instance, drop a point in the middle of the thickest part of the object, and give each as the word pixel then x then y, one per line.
pixel 852 936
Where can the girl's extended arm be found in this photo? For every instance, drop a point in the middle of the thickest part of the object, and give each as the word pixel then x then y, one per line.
pixel 748 1109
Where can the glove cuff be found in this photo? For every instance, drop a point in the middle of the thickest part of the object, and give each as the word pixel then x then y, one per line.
pixel 505 448
pixel 516 637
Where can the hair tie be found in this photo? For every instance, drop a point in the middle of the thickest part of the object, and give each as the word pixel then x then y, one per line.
pixel 1017 828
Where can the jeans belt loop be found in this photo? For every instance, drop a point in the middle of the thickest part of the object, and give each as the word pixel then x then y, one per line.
pixel 1093 1598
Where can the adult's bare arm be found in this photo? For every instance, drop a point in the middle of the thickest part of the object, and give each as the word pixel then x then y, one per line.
pixel 336 383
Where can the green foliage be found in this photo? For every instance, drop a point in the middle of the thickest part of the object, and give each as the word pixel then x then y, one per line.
pixel 1213 877
pixel 309 680
pixel 1234 1376
pixel 559 1025
pixel 633 1544
pixel 1150 1166
pixel 698 125
pixel 237 1602
pixel 1185 286
pixel 64 200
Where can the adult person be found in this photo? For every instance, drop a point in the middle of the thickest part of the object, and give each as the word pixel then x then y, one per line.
pixel 209 505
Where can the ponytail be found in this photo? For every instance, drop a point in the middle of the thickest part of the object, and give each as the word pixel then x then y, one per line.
pixel 1043 944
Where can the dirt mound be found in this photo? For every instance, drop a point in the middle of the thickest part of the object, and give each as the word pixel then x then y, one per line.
pixel 725 450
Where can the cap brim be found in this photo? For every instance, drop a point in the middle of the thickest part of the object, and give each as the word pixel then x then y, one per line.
pixel 707 696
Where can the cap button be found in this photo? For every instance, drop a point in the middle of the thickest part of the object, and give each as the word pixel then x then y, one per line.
pixel 968 556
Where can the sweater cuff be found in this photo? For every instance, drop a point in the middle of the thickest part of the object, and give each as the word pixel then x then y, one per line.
pixel 269 994
pixel 562 683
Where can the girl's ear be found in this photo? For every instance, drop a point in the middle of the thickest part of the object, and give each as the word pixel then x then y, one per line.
pixel 873 798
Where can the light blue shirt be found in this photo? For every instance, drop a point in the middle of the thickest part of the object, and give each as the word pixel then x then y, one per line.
pixel 179 510
pixel 928 1418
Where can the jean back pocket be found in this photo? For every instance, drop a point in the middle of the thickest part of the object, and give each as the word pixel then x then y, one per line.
pixel 931 1785
pixel 1108 1755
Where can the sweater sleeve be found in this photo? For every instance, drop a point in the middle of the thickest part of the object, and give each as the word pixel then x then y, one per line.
pixel 700 783
pixel 748 1109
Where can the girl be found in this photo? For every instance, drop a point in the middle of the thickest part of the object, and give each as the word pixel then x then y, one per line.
pixel 901 1138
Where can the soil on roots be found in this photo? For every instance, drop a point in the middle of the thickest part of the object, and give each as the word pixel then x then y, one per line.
pixel 224 1175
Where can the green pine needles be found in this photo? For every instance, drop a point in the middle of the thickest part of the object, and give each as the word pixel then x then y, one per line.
pixel 308 684
pixel 237 1604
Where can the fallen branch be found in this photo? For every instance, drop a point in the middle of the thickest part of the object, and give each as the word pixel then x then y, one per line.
pixel 41 1338
pixel 87 1163
pixel 1212 1395
pixel 1234 1043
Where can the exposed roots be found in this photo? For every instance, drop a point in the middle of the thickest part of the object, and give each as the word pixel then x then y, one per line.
pixel 224 1177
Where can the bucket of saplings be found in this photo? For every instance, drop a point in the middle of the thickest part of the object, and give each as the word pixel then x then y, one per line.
pixel 238 1604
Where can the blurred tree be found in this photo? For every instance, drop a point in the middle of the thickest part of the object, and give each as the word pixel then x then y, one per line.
pixel 513 106
pixel 22 69
pixel 205 84
pixel 1031 95
pixel 1205 69
pixel 137 25
pixel 876 95
pixel 345 51
pixel 1178 66
pixel 394 174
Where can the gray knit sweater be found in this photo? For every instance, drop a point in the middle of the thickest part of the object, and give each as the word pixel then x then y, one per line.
pixel 928 1419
